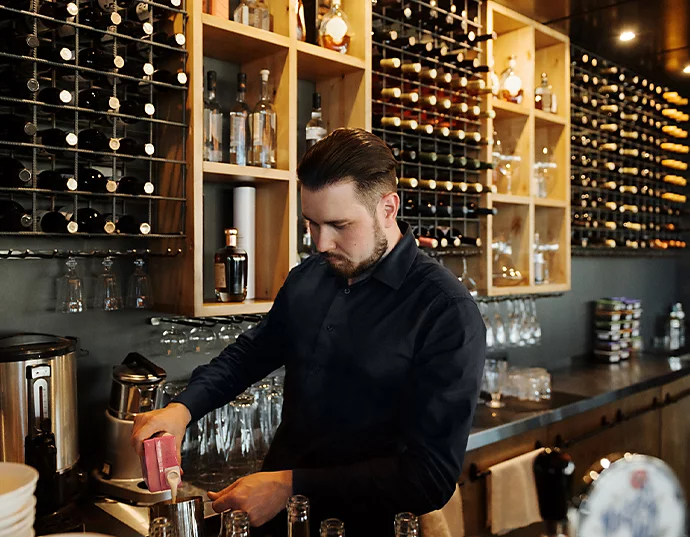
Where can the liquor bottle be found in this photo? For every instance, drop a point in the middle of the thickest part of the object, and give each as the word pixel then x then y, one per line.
pixel 334 29
pixel 230 269
pixel 239 124
pixel 89 220
pixel 14 128
pixel 544 98
pixel 55 222
pixel 263 128
pixel 13 217
pixel 316 129
pixel 253 13
pixel 54 141
pixel 57 180
pixel 511 88
pixel 14 174
pixel 128 184
pixel 298 516
pixel 127 148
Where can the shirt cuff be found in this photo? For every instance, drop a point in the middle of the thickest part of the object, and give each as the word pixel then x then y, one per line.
pixel 195 399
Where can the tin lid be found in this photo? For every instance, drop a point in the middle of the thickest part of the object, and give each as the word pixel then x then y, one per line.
pixel 136 369
pixel 20 347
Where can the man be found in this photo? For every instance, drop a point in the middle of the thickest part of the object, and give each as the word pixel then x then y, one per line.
pixel 383 352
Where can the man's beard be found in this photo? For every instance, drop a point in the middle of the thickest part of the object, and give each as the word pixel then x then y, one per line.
pixel 348 270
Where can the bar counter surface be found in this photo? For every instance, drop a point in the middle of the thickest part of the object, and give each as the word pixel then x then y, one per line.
pixel 578 388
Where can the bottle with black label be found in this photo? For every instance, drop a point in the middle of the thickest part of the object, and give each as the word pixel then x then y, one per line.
pixel 230 269
pixel 316 129
pixel 14 174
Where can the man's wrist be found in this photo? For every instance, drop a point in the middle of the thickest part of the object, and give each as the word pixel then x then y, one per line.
pixel 183 410
pixel 286 480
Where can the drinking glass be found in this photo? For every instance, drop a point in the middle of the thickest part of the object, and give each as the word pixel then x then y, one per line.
pixel 242 455
pixel 534 321
pixel 139 288
pixel 466 279
pixel 526 332
pixel 202 339
pixel 228 333
pixel 499 327
pixel 514 325
pixel 173 342
pixel 107 295
pixel 496 372
pixel 490 339
pixel 70 292
pixel 210 458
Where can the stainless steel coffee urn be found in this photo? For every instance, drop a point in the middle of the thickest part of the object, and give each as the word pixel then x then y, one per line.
pixel 136 388
pixel 38 413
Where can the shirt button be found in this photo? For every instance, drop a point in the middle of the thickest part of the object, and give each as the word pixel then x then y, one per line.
pixel 329 327
pixel 346 291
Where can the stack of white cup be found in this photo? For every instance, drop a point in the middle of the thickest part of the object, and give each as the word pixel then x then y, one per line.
pixel 17 500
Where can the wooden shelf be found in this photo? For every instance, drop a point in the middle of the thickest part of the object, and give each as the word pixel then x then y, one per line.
pixel 551 202
pixel 505 110
pixel 317 63
pixel 220 171
pixel 510 198
pixel 510 290
pixel 550 288
pixel 247 307
pixel 548 118
pixel 233 42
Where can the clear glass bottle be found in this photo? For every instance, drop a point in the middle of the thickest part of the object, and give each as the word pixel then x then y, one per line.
pixel 263 127
pixel 234 524
pixel 254 13
pixel 540 270
pixel 334 29
pixel 406 525
pixel 298 516
pixel 511 89
pixel 160 527
pixel 543 96
pixel 230 270
pixel 239 124
pixel 332 527
pixel 316 130
pixel 213 122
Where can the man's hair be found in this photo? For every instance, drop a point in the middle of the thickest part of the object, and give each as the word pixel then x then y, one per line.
pixel 350 155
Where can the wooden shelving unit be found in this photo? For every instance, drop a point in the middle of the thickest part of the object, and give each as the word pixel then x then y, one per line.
pixel 345 84
pixel 533 136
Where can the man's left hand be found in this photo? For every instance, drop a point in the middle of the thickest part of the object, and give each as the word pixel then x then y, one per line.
pixel 262 496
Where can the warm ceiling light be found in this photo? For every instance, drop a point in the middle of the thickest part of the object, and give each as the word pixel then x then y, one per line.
pixel 627 36
pixel 687 70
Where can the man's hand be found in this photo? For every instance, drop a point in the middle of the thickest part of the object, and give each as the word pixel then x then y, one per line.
pixel 172 419
pixel 262 496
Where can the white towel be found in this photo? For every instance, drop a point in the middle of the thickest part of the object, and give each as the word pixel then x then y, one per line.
pixel 512 494
pixel 447 521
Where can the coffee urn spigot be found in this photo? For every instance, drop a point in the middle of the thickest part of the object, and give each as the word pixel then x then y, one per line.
pixel 553 475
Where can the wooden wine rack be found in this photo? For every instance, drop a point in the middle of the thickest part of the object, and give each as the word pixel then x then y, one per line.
pixel 521 213
pixel 344 82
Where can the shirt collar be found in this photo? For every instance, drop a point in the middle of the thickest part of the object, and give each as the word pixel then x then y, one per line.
pixel 394 267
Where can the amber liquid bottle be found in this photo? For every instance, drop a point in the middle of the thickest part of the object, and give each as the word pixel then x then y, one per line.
pixel 230 270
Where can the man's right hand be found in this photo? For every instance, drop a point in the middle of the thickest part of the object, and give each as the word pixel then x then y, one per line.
pixel 172 419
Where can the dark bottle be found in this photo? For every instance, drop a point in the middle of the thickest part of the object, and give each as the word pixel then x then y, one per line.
pixel 136 69
pixel 129 184
pixel 176 41
pixel 13 174
pixel 61 11
pixel 98 100
pixel 55 140
pixel 57 98
pixel 130 146
pixel 59 180
pixel 14 84
pixel 91 180
pixel 93 17
pixel 298 516
pixel 131 28
pixel 471 210
pixel 15 128
pixel 97 59
pixel 94 140
pixel 439 234
pixel 458 238
pixel 21 45
pixel 554 476
pixel 230 269
pixel 89 220
pixel 444 209
pixel 422 238
pixel 130 225
pixel 136 108
pixel 55 222
pixel 164 76
pixel 13 217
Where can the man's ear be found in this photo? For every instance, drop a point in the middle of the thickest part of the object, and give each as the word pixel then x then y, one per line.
pixel 390 204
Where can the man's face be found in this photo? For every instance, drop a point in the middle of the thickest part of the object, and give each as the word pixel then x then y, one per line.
pixel 343 229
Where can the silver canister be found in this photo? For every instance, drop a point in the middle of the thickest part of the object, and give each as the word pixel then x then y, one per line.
pixel 186 516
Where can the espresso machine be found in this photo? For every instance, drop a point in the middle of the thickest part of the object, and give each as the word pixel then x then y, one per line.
pixel 38 422
pixel 136 388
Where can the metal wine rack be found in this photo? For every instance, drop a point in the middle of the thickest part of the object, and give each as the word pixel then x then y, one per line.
pixel 166 129
pixel 459 19
pixel 655 227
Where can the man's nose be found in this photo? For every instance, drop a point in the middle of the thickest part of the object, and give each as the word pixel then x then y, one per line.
pixel 324 241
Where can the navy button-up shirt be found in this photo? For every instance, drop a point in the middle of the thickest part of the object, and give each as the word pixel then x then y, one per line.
pixel 382 378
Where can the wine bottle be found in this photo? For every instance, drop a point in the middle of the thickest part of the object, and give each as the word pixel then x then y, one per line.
pixel 57 98
pixel 458 238
pixel 16 85
pixel 14 174
pixel 176 41
pixel 20 45
pixel 130 224
pixel 94 140
pixel 57 180
pixel 55 140
pixel 89 220
pixel 91 180
pixel 55 222
pixel 472 210
pixel 136 108
pixel 129 184
pixel 438 234
pixel 130 146
pixel 13 217
pixel 98 100
pixel 97 59
pixel 14 128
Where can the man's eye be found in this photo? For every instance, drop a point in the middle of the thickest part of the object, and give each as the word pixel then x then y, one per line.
pixel 339 227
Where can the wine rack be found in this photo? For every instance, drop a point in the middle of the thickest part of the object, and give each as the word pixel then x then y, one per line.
pixel 426 58
pixel 628 161
pixel 99 93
